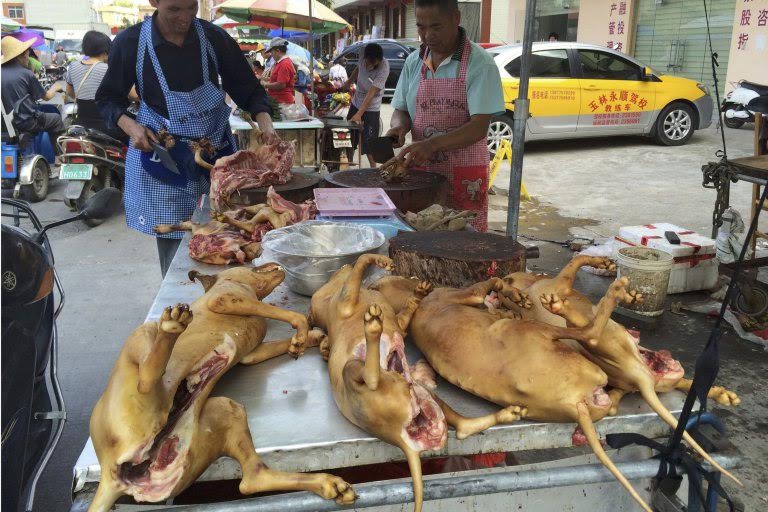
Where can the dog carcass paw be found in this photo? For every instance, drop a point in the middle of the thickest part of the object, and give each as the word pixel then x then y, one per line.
pixel 298 344
pixel 423 289
pixel 334 488
pixel 724 396
pixel 175 319
pixel 633 297
pixel 385 263
pixel 511 414
pixel 552 302
pixel 316 338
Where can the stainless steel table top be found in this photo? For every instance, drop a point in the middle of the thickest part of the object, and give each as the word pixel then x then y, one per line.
pixel 295 423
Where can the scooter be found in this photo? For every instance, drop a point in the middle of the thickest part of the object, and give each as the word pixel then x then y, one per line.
pixel 91 160
pixel 28 159
pixel 33 412
pixel 736 105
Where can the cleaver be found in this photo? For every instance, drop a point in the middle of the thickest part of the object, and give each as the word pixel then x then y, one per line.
pixel 165 158
pixel 381 148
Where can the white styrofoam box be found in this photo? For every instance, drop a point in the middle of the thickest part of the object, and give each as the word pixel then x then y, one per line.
pixel 695 267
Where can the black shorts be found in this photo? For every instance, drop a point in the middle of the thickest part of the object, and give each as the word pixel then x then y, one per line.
pixel 370 127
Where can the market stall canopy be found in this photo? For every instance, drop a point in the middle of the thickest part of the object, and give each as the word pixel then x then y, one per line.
pixel 290 15
pixel 295 36
pixel 8 25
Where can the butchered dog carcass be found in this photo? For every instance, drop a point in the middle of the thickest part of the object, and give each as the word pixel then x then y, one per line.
pixel 265 165
pixel 373 385
pixel 155 429
pixel 629 366
pixel 494 354
pixel 234 236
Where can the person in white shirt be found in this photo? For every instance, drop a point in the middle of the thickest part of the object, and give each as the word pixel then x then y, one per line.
pixel 338 73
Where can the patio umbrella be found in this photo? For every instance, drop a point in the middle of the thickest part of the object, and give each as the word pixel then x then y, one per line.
pixel 26 34
pixel 294 36
pixel 8 25
pixel 285 14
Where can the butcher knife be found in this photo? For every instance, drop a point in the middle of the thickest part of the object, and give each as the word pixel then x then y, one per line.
pixel 166 158
pixel 381 148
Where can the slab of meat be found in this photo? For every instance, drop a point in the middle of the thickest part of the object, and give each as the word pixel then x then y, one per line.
pixel 266 165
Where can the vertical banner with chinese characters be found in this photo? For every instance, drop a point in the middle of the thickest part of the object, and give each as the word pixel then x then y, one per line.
pixel 608 23
pixel 748 59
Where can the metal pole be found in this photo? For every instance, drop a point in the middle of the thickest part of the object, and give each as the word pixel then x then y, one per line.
pixel 311 64
pixel 518 128
pixel 376 494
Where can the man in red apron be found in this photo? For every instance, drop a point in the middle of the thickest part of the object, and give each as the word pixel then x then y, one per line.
pixel 445 97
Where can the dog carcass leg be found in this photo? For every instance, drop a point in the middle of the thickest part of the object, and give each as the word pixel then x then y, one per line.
pixel 270 349
pixel 586 424
pixel 466 427
pixel 414 465
pixel 650 397
pixel 404 315
pixel 588 335
pixel 153 361
pixel 252 250
pixel 564 280
pixel 106 496
pixel 350 290
pixel 223 430
pixel 373 329
pixel 716 393
pixel 616 395
pixel 181 226
pixel 230 303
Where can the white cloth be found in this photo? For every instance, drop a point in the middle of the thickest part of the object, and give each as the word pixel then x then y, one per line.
pixel 338 75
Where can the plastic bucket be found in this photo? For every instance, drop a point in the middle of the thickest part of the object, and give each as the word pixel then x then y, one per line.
pixel 648 272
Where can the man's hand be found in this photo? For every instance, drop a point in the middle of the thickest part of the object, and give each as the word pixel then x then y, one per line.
pixel 141 136
pixel 419 153
pixel 264 121
pixel 398 133
pixel 357 118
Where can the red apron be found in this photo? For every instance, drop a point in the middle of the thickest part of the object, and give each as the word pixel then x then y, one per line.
pixel 441 106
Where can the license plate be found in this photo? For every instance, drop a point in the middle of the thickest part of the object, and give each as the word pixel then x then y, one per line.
pixel 76 172
pixel 342 143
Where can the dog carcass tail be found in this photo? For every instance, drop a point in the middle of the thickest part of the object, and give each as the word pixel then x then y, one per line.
pixel 652 399
pixel 414 464
pixel 586 424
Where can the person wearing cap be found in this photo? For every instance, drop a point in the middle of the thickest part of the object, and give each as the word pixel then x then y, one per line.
pixel 60 57
pixel 282 76
pixel 19 81
pixel 183 68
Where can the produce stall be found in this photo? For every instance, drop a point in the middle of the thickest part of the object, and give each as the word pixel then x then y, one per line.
pixel 296 426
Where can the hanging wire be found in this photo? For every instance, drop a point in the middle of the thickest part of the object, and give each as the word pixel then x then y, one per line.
pixel 723 154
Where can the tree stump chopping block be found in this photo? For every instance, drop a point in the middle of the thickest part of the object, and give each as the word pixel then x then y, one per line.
pixel 455 259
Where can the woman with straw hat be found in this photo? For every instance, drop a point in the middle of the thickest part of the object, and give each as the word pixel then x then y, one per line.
pixel 19 81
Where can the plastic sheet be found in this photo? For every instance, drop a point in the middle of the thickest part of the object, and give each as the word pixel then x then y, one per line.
pixel 311 251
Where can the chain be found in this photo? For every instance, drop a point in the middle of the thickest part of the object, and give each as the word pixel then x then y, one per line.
pixel 719 175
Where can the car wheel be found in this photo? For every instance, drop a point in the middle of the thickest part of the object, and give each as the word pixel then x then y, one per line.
pixel 499 129
pixel 38 189
pixel 674 126
pixel 732 122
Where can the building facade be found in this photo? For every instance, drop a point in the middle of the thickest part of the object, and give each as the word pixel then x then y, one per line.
pixel 15 11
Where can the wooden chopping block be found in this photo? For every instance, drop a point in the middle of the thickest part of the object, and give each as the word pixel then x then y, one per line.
pixel 457 259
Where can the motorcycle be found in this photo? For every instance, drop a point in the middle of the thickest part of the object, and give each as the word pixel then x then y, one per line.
pixel 738 105
pixel 33 411
pixel 91 160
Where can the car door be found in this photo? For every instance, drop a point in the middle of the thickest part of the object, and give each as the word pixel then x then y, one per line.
pixel 553 91
pixel 395 55
pixel 615 99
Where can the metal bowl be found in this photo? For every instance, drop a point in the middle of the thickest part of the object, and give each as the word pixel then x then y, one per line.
pixel 312 251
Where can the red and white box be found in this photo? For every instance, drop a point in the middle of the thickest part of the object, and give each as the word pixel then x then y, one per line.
pixel 695 266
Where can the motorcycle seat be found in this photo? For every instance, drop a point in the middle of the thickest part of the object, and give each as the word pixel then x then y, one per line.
pixel 93 134
pixel 758 88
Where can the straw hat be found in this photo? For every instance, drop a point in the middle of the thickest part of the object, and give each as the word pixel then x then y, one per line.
pixel 12 48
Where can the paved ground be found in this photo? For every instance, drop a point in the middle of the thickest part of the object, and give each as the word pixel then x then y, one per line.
pixel 111 274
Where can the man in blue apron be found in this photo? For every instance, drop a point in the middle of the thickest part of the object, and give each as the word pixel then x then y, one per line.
pixel 182 67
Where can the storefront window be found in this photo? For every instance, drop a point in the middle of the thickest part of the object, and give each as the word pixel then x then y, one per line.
pixel 671 37
pixel 558 16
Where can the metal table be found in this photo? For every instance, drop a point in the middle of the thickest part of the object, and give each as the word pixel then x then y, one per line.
pixel 296 426
pixel 242 130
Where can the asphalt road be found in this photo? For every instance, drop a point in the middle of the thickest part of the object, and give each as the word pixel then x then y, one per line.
pixel 111 274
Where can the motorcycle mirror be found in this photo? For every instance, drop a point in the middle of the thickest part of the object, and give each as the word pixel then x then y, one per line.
pixel 103 204
pixel 647 72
